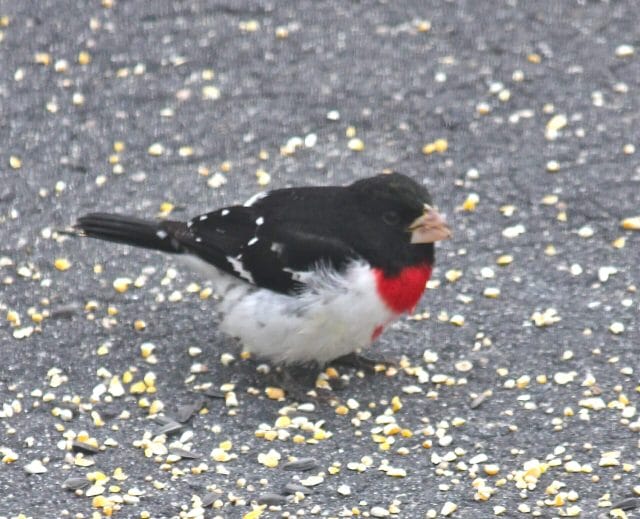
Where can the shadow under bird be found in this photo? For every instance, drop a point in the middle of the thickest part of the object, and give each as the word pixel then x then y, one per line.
pixel 305 273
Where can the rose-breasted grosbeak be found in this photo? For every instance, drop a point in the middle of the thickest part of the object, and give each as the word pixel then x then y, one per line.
pixel 306 273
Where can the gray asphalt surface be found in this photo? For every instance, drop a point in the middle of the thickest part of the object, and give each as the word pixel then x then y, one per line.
pixel 87 88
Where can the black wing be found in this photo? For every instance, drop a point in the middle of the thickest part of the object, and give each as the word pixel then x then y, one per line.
pixel 242 241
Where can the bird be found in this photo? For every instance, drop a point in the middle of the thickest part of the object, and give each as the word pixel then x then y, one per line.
pixel 303 274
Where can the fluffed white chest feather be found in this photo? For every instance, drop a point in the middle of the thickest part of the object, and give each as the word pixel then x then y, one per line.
pixel 334 316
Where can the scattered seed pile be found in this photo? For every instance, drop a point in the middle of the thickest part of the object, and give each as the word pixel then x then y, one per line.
pixel 516 391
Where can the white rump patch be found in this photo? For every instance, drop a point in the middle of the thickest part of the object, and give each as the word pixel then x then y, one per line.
pixel 161 234
pixel 222 282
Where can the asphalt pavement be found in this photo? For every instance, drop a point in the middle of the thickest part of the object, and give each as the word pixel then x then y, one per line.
pixel 517 388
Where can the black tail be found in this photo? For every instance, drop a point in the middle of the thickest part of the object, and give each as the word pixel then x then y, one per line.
pixel 128 230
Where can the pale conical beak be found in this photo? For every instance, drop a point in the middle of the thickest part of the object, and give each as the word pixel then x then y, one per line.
pixel 430 227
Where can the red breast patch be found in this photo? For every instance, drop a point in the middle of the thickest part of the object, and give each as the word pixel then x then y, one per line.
pixel 402 292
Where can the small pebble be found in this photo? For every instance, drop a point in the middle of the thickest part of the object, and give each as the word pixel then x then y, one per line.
pixel 168 428
pixel 293 488
pixel 272 499
pixel 75 483
pixel 301 464
pixel 208 499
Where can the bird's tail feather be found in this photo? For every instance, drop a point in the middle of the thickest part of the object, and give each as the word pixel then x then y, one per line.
pixel 128 230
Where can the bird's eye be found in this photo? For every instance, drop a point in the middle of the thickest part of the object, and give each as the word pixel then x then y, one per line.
pixel 390 218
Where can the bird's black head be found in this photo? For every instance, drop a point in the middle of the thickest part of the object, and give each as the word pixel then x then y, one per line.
pixel 399 212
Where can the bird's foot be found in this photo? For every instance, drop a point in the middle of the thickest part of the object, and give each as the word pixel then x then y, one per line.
pixel 359 361
pixel 299 383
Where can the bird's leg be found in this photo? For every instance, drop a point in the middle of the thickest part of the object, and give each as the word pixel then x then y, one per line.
pixel 298 380
pixel 359 361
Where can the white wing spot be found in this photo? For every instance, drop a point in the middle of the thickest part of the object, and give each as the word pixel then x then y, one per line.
pixel 252 241
pixel 255 198
pixel 224 212
pixel 161 234
pixel 259 220
pixel 198 239
pixel 277 247
pixel 237 265
pixel 203 218
pixel 189 224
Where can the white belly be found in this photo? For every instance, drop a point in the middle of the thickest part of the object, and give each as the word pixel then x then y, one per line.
pixel 334 316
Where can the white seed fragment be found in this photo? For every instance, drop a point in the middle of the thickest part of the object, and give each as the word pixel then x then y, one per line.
pixel 457 320
pixel 396 472
pixel 333 115
pixel 448 508
pixel 156 149
pixel 262 177
pixel 122 284
pixel 310 140
pixel 553 166
pixel 344 490
pixel 430 357
pixel 605 272
pixel 217 180
pixel 483 108
pixel 175 296
pixel 563 378
pixel 355 144
pixel 491 292
pixel 624 51
pixel 35 467
pixel 210 93
pixel 226 359
pixel 312 481
pixel 479 458
pixel 616 328
pixel 554 125
pixel 115 387
pixel 575 269
pixel 487 273
pixel 514 231
pixel 546 318
pixel 610 459
pixel 586 231
pixel 631 223
pixel 23 333
pixel 269 459
pixel 464 366
pixel 593 403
